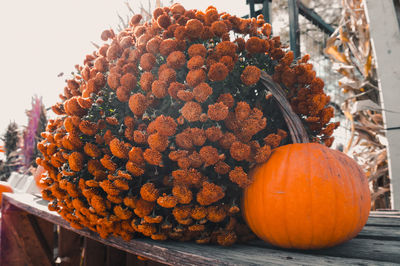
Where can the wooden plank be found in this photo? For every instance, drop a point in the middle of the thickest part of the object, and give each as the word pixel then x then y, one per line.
pixel 44 232
pixel 115 256
pixel 131 259
pixel 69 247
pixel 31 243
pixel 94 253
pixel 380 232
pixel 389 213
pixel 371 249
pixel 47 229
pixel 11 252
pixel 383 221
pixel 385 37
pixel 357 251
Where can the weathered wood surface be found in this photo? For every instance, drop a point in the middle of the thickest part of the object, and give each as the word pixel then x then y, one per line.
pixel 69 247
pixel 97 249
pixel 385 37
pixel 31 241
pixel 368 249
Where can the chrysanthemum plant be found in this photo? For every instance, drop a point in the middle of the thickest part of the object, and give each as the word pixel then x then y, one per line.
pixel 157 132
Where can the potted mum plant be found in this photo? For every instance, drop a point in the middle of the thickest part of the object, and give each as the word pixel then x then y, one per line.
pixel 158 130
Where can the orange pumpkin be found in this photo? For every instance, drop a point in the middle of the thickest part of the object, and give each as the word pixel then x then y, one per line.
pixel 37 176
pixel 4 187
pixel 307 196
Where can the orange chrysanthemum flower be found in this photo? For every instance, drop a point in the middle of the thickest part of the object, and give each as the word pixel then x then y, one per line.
pixel 209 194
pixel 197 50
pixel 182 193
pixel 147 61
pixel 209 155
pixel 195 62
pixel 153 157
pixel 250 75
pixel 195 77
pixel 218 72
pixel 168 46
pixel 227 99
pixel 76 161
pixel 191 111
pixel 146 80
pixel 137 104
pixel 226 48
pixel 217 111
pixel 216 214
pixel 219 28
pixel 194 28
pixel 167 201
pixel 176 60
pixel 159 89
pixel 239 176
pixel 149 192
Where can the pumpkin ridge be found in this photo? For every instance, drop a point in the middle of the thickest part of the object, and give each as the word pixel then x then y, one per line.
pixel 353 187
pixel 342 174
pixel 252 219
pixel 335 224
pixel 332 158
pixel 309 147
pixel 272 238
pixel 285 198
pixel 357 225
pixel 265 214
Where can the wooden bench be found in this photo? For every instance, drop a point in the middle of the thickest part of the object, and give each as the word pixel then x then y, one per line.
pixel 32 235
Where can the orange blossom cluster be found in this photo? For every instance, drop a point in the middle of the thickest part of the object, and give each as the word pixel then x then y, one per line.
pixel 158 130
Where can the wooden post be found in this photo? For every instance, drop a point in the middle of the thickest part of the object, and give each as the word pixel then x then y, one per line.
pixel 385 37
pixel 266 12
pixel 252 9
pixel 294 30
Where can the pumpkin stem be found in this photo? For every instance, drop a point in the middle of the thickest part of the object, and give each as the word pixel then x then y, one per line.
pixel 296 128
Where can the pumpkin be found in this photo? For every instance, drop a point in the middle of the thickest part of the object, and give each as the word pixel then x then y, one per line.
pixel 307 196
pixel 4 187
pixel 39 173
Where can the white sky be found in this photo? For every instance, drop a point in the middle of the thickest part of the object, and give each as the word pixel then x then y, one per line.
pixel 39 39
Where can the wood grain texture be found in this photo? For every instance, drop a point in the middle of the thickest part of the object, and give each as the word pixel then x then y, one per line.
pixel 385 37
pixel 69 247
pixel 357 251
pixel 94 253
pixel 115 256
pixel 384 221
pixel 10 249
pixel 30 242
